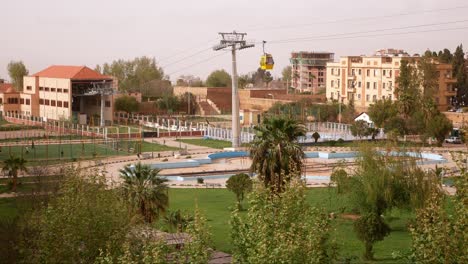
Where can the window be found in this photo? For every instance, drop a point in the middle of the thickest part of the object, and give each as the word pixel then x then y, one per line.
pixel 367 98
pixel 47 102
pixel 359 72
pixel 383 85
pixel 390 73
pixel 390 97
pixel 13 101
pixel 376 72
pixel 353 72
pixel 368 73
pixel 41 101
pixel 332 83
pixel 359 96
pixel 59 103
pixel 310 85
pixel 41 88
pixel 338 83
pixel 331 95
pixel 368 85
pixel 65 104
pixel 59 90
pixel 320 80
pixel 52 89
pixel 390 85
pixel 22 101
pixel 320 73
pixel 29 88
pixel 338 71
pixel 375 85
pixel 384 72
pixel 28 102
pixel 383 97
pixel 65 90
pixel 52 102
pixel 46 89
pixel 359 84
pixel 374 98
pixel 1 101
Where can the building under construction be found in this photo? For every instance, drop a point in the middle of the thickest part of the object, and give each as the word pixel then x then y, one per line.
pixel 309 70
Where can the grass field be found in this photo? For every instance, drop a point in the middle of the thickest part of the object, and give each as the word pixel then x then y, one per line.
pixel 67 151
pixel 217 205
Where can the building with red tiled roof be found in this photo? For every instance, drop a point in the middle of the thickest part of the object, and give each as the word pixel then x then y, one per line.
pixel 68 92
pixel 9 98
pixel 71 72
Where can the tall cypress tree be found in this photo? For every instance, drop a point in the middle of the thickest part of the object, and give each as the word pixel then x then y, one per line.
pixel 459 70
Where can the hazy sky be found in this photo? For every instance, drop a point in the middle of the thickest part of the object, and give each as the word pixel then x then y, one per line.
pixel 90 32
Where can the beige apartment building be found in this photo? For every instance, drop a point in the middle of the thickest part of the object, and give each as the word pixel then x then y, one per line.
pixel 367 79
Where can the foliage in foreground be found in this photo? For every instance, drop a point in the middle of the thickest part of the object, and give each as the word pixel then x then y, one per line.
pixel 84 217
pixel 281 228
pixel 150 249
pixel 440 236
pixel 380 183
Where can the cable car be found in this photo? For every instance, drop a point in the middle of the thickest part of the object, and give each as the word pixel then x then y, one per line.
pixel 266 61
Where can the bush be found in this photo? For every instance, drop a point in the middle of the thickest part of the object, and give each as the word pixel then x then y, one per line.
pixel 332 143
pixel 164 160
pixel 200 180
pixel 340 141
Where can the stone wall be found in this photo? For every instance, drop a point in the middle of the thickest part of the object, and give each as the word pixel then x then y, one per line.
pixel 458 119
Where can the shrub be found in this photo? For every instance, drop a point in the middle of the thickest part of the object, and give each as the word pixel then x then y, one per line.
pixel 164 160
pixel 200 180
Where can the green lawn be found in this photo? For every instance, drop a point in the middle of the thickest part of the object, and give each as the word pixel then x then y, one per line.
pixel 217 205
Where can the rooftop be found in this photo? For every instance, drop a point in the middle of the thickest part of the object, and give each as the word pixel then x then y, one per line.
pixel 7 88
pixel 71 72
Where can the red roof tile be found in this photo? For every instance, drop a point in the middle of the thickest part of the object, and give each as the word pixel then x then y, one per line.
pixel 7 88
pixel 71 72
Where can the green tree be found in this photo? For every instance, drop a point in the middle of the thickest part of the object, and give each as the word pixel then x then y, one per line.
pixel 145 191
pixel 169 103
pixel 286 74
pixel 133 74
pixel 440 235
pixel 127 104
pixel 13 165
pixel 275 151
pixel 316 136
pixel 428 76
pixel 281 229
pixel 459 70
pixel 219 78
pixel 445 56
pixel 239 184
pixel 370 228
pixel 86 216
pixel 408 88
pixel 17 70
pixel 439 127
pixel 360 129
pixel 375 188
pixel 187 103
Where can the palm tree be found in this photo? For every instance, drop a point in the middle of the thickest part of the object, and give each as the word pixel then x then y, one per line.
pixel 145 190
pixel 177 221
pixel 275 151
pixel 13 165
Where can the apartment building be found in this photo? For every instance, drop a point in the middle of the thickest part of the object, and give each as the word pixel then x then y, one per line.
pixel 366 79
pixel 309 70
pixel 362 79
pixel 444 95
